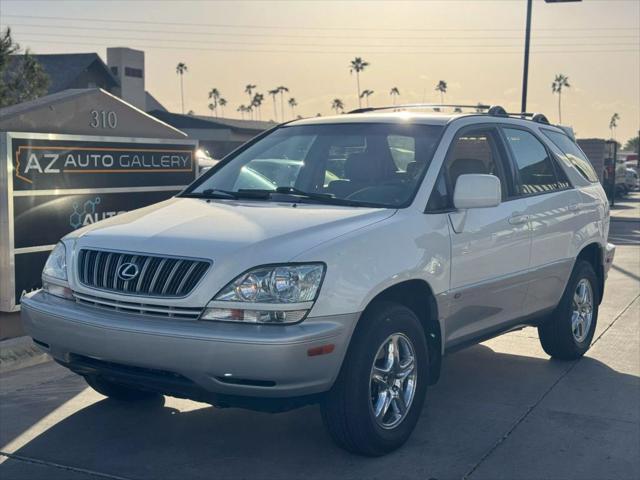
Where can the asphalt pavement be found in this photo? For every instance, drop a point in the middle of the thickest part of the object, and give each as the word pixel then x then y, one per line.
pixel 502 410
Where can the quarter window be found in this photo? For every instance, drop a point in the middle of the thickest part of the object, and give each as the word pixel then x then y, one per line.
pixel 535 167
pixel 574 154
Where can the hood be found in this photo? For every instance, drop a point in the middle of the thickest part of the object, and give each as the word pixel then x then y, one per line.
pixel 219 230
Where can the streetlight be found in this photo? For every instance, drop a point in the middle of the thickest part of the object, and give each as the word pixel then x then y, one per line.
pixel 527 42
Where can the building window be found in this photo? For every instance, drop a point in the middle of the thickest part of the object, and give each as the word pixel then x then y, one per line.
pixel 133 72
pixel 114 70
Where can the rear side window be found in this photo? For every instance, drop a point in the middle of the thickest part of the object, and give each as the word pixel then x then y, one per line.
pixel 573 153
pixel 535 167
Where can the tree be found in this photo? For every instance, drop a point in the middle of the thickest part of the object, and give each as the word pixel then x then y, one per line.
pixel 242 109
pixel 613 124
pixel 222 102
pixel 274 93
pixel 214 95
pixel 442 88
pixel 248 89
pixel 258 98
pixel 394 92
pixel 282 90
pixel 561 81
pixel 181 69
pixel 211 107
pixel 337 105
pixel 21 78
pixel 358 65
pixel 632 144
pixel 366 94
pixel 293 104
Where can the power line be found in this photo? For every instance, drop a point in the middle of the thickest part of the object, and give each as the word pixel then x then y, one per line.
pixel 333 52
pixel 224 42
pixel 322 37
pixel 307 27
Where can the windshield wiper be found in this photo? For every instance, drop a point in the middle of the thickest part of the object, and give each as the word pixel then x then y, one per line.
pixel 324 198
pixel 213 193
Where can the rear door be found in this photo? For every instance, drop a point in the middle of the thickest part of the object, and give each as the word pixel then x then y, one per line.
pixel 489 246
pixel 552 206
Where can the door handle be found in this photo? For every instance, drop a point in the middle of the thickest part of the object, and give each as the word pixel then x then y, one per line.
pixel 574 207
pixel 518 218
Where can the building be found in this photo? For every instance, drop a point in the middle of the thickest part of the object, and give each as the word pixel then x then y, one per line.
pixel 218 136
pixel 123 75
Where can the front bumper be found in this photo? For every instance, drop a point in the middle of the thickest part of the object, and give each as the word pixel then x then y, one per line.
pixel 220 358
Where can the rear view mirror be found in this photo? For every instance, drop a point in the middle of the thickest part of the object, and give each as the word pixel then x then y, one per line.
pixel 477 191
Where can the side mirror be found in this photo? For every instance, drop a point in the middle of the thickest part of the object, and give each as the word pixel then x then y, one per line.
pixel 477 191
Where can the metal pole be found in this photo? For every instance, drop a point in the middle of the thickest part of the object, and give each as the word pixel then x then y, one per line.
pixel 527 41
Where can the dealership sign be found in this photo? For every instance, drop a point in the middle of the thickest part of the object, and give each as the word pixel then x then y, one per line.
pixel 59 183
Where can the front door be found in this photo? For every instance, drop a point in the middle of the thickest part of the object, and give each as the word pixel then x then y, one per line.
pixel 490 247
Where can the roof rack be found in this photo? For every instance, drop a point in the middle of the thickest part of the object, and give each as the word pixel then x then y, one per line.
pixel 494 110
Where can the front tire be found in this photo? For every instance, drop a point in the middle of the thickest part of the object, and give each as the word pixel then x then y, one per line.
pixel 377 399
pixel 568 333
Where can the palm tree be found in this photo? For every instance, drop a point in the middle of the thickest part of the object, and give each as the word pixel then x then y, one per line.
pixel 181 69
pixel 366 94
pixel 248 89
pixel 442 88
pixel 293 104
pixel 394 93
pixel 258 98
pixel 337 104
pixel 214 94
pixel 282 89
pixel 274 93
pixel 558 84
pixel 212 107
pixel 358 65
pixel 613 124
pixel 241 109
pixel 222 102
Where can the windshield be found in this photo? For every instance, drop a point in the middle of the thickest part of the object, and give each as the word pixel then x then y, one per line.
pixel 356 164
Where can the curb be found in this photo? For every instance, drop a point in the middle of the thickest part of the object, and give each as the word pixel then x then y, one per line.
pixel 20 352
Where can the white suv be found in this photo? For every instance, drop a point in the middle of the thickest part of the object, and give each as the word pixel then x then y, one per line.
pixel 336 260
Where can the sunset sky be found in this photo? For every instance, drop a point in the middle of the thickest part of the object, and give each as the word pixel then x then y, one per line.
pixel 474 45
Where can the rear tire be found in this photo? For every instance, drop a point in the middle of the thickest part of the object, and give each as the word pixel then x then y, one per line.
pixel 373 377
pixel 568 333
pixel 120 392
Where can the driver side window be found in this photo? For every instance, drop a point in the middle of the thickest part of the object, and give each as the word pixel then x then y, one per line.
pixel 471 152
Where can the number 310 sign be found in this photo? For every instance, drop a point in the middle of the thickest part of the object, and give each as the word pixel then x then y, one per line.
pixel 103 119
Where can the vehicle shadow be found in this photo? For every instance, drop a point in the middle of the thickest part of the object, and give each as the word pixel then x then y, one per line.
pixel 481 394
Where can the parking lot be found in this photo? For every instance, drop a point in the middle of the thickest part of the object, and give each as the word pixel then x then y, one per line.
pixel 501 410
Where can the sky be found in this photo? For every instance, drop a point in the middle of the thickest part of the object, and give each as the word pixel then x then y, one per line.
pixel 476 46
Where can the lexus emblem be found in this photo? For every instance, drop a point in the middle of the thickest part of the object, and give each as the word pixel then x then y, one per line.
pixel 127 271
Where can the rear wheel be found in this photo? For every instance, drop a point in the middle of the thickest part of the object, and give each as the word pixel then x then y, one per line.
pixel 568 333
pixel 121 392
pixel 378 397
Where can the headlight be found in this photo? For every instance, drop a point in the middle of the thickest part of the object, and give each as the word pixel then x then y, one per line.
pixel 56 266
pixel 273 294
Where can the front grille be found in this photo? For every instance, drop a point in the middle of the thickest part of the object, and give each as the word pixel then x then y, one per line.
pixel 185 313
pixel 157 276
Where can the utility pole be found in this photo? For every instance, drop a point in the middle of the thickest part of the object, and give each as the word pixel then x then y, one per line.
pixel 527 44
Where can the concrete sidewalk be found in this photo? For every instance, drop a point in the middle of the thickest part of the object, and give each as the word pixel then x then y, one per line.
pixel 501 410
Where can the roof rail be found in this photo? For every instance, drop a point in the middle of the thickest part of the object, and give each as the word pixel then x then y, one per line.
pixel 418 105
pixel 494 110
